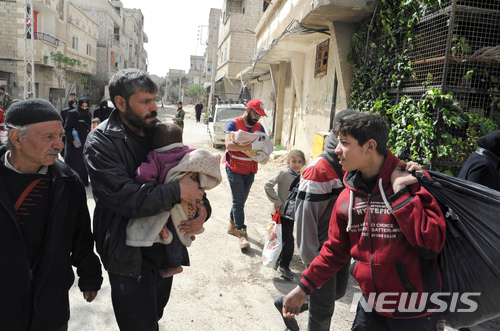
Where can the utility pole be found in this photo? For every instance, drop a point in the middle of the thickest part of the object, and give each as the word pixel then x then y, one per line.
pixel 180 81
pixel 29 50
pixel 214 66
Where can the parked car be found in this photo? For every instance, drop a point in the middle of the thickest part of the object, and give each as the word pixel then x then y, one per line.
pixel 217 124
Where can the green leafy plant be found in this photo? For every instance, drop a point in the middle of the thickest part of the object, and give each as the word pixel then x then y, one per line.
pixel 431 129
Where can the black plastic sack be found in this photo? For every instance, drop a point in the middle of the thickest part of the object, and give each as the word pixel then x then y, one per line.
pixel 289 208
pixel 470 260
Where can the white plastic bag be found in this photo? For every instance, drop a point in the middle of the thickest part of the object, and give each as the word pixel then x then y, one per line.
pixel 274 242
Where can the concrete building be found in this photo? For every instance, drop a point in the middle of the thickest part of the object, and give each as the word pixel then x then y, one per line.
pixel 236 42
pixel 78 46
pixel 121 38
pixel 300 68
pixel 64 49
pixel 211 53
pixel 196 71
pixel 176 83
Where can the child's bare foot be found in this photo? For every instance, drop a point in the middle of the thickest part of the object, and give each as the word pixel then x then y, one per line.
pixel 169 272
pixel 163 233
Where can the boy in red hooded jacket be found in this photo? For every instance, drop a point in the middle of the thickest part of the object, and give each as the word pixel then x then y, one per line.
pixel 391 226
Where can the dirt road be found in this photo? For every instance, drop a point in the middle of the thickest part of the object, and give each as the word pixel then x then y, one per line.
pixel 224 289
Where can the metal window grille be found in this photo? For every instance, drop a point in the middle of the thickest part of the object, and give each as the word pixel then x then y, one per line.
pixel 456 48
pixel 321 63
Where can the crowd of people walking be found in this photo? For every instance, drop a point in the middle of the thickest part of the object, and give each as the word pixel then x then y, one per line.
pixel 357 207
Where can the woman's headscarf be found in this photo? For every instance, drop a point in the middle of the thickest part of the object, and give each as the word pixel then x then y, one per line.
pixel 81 101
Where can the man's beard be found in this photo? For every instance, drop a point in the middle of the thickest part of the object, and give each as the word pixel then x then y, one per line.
pixel 252 121
pixel 137 121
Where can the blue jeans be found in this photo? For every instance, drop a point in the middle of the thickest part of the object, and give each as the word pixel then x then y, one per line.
pixel 240 187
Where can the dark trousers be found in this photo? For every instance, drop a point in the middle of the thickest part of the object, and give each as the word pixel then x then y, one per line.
pixel 198 115
pixel 322 300
pixel 174 249
pixel 138 303
pixel 288 242
pixel 371 321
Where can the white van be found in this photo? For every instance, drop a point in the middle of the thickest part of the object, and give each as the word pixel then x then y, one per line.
pixel 217 125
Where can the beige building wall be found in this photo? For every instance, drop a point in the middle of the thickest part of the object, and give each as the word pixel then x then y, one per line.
pixel 213 28
pixel 55 24
pixel 304 104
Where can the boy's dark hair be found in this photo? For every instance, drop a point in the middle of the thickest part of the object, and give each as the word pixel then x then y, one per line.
pixel 341 114
pixel 298 153
pixel 129 81
pixel 366 126
pixel 164 134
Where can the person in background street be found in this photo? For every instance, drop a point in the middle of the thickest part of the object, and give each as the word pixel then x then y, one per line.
pixel 64 115
pixel 240 169
pixel 179 115
pixel 483 167
pixel 72 96
pixel 380 194
pixel 79 119
pixel 198 108
pixel 5 100
pixel 113 152
pixel 284 179
pixel 64 112
pixel 319 188
pixel 103 111
pixel 45 223
pixel 95 123
pixel 30 95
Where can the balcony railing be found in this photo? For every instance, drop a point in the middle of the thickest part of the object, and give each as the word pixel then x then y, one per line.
pixel 45 37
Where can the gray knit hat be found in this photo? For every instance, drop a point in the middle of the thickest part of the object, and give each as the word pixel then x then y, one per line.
pixel 31 111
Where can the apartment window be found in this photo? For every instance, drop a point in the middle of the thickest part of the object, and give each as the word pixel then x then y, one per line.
pixel 75 43
pixel 60 9
pixel 266 4
pixel 321 65
pixel 116 33
pixel 89 50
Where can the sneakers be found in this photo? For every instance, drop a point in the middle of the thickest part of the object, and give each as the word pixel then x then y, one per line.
pixel 243 238
pixel 231 229
pixel 286 273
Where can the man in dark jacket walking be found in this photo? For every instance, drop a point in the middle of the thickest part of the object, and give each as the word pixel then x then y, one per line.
pixel 44 223
pixel 198 108
pixel 113 152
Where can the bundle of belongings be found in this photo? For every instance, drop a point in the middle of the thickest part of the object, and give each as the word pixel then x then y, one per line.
pixel 470 260
pixel 243 138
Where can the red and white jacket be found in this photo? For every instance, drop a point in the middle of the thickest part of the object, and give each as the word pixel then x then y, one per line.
pixel 394 239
